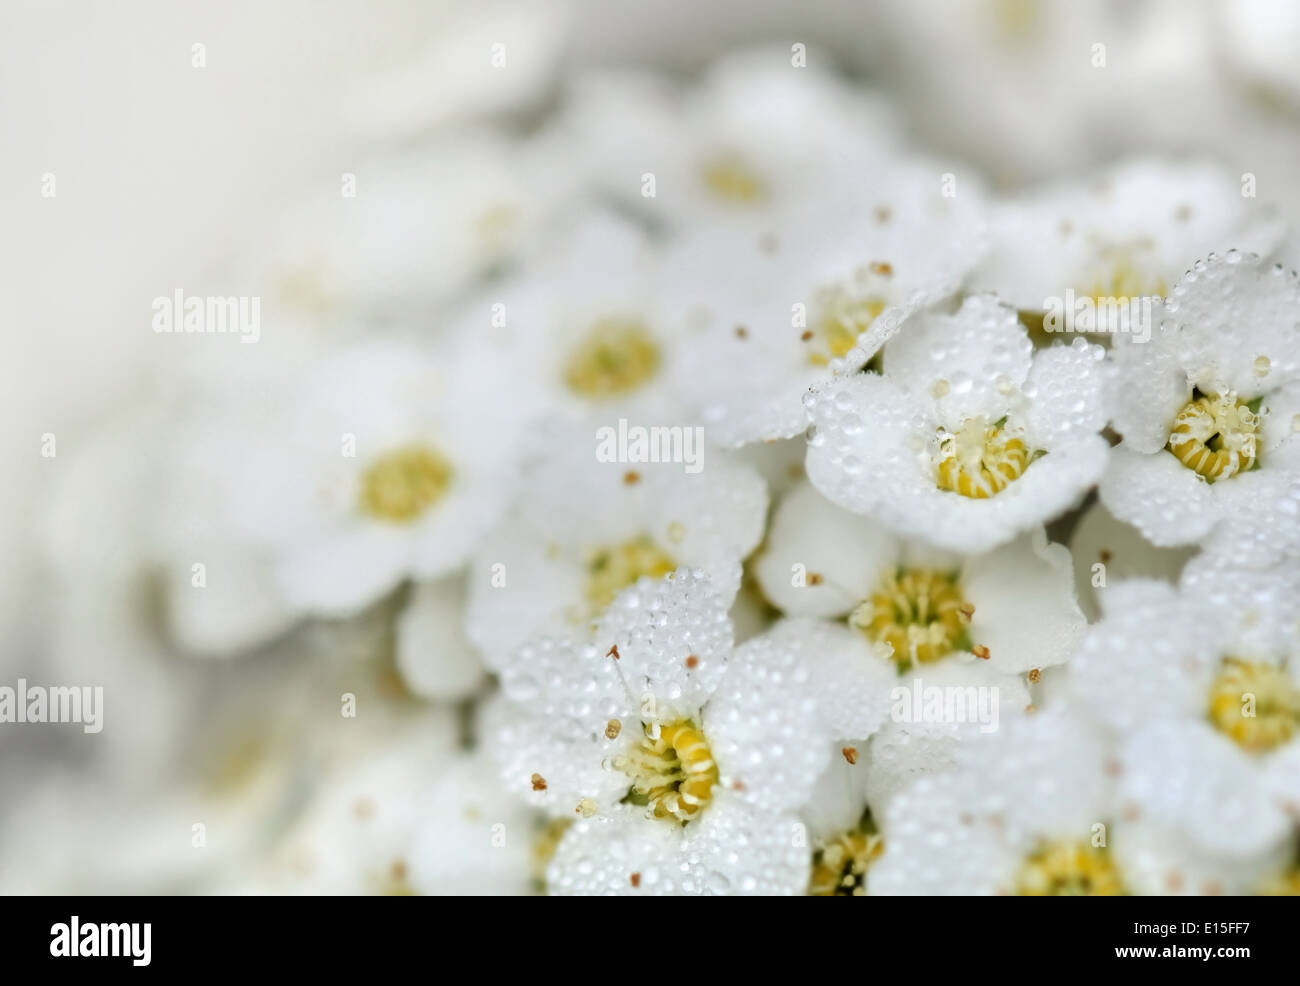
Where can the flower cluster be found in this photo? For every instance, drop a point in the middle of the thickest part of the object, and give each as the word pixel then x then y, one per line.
pixel 704 490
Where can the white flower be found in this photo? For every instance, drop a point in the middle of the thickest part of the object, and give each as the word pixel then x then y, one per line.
pixel 1209 412
pixel 582 329
pixel 359 831
pixel 771 316
pixel 584 530
pixel 377 465
pixel 1201 690
pixel 1128 233
pixel 400 233
pixel 969 436
pixel 683 762
pixel 913 617
pixel 845 839
pixel 1027 811
pixel 745 149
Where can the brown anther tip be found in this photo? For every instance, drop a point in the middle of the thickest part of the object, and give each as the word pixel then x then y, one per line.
pixel 1035 675
pixel 1112 767
pixel 1174 881
pixel 692 662
pixel 635 879
pixel 814 578
pixel 742 332
pixel 850 754
pixel 398 870
pixel 966 611
pixel 883 214
pixel 738 785
pixel 631 477
pixel 612 729
pixel 806 335
pixel 980 651
pixel 539 782
pixel 613 652
pixel 881 268
pixel 1030 709
pixel 1105 555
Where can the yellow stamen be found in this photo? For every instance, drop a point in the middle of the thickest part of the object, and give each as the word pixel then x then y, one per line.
pixel 672 771
pixel 402 484
pixel 1068 869
pixel 617 357
pixel 1255 704
pixel 612 568
pixel 980 459
pixel 1215 437
pixel 920 613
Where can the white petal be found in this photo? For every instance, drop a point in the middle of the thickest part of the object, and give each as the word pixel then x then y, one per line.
pixel 433 655
pixel 848 552
pixel 1026 613
pixel 1169 503
pixel 1186 774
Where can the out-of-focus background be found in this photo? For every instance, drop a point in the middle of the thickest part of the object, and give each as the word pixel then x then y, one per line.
pixel 175 136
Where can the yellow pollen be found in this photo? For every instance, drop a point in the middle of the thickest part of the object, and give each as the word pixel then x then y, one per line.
pixel 840 864
pixel 613 568
pixel 672 771
pixel 920 613
pixel 980 459
pixel 1215 437
pixel 1121 276
pixel 844 312
pixel 729 179
pixel 618 356
pixel 1068 869
pixel 1255 704
pixel 402 484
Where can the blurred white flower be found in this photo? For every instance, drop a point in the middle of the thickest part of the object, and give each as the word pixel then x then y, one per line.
pixel 1209 412
pixel 1207 720
pixel 583 531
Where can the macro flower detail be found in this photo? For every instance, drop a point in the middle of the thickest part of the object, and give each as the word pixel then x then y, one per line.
pixel 967 437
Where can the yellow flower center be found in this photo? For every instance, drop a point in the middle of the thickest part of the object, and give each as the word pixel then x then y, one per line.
pixel 840 864
pixel 1283 884
pixel 980 459
pixel 618 356
pixel 613 568
pixel 845 310
pixel 1215 437
pixel 402 484
pixel 1255 704
pixel 1121 273
pixel 1068 869
pixel 672 771
pixel 920 613
pixel 728 178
